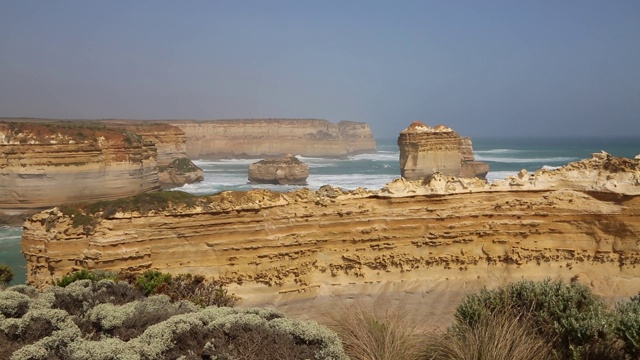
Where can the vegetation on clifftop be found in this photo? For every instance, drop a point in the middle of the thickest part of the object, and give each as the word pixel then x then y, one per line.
pixel 103 315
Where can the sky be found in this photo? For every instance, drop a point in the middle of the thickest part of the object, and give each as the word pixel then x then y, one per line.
pixel 484 68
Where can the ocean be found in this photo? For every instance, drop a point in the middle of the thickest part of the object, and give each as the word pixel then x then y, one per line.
pixel 505 156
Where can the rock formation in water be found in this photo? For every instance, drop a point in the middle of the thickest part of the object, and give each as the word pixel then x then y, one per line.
pixel 174 167
pixel 275 137
pixel 422 244
pixel 425 150
pixel 46 164
pixel 283 171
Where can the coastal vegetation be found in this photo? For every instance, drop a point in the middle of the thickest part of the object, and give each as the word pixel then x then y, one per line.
pixel 154 315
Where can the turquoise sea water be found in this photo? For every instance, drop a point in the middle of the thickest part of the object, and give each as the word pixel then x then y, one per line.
pixel 506 156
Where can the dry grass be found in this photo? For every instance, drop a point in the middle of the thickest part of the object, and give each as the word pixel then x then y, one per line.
pixel 497 337
pixel 369 335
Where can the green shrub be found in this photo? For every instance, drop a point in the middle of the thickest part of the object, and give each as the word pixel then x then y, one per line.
pixel 6 275
pixel 83 274
pixel 198 290
pixel 151 279
pixel 570 316
pixel 628 325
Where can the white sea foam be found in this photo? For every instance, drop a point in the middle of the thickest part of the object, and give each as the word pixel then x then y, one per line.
pixel 202 163
pixel 498 175
pixel 513 160
pixel 497 151
pixel 380 156
pixel 547 167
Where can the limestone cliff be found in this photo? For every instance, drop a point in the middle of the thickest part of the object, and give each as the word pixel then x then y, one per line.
pixel 275 137
pixel 425 150
pixel 45 164
pixel 422 244
pixel 287 170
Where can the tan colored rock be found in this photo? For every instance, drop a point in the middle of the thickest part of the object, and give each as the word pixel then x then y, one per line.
pixel 425 150
pixel 179 172
pixel 275 137
pixel 424 245
pixel 42 165
pixel 283 171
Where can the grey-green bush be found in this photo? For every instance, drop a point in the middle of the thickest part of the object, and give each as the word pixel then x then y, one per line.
pixel 570 316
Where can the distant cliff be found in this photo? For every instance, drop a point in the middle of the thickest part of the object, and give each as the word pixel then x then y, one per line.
pixel 413 243
pixel 275 137
pixel 45 164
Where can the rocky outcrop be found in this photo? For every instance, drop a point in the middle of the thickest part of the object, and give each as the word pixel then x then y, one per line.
pixel 425 150
pixel 179 172
pixel 174 168
pixel 275 137
pixel 284 171
pixel 46 164
pixel 422 244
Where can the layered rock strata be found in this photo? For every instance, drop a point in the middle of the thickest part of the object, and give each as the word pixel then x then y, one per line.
pixel 44 164
pixel 422 244
pixel 275 137
pixel 284 171
pixel 425 150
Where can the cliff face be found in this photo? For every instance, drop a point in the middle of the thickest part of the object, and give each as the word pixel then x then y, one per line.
pixel 287 170
pixel 275 137
pixel 422 245
pixel 425 150
pixel 44 164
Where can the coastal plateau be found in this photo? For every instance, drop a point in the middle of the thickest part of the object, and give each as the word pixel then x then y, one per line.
pixel 423 244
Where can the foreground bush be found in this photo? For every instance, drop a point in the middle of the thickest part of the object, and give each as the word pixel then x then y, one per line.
pixel 114 321
pixel 367 335
pixel 572 319
pixel 500 336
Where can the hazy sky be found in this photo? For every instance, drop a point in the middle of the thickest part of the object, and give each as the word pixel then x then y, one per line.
pixel 482 67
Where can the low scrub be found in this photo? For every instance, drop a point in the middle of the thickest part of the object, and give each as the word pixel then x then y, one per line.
pixel 109 320
pixel 370 335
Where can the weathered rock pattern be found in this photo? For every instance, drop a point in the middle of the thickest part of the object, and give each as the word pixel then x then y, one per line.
pixel 288 170
pixel 44 164
pixel 425 150
pixel 275 137
pixel 422 244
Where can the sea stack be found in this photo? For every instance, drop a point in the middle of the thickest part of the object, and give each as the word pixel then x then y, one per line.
pixel 284 171
pixel 425 150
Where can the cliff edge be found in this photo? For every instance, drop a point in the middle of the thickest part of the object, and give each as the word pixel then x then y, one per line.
pixel 44 164
pixel 424 244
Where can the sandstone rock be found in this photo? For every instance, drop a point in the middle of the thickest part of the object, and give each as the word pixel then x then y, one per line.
pixel 179 172
pixel 424 244
pixel 46 164
pixel 425 150
pixel 287 170
pixel 275 137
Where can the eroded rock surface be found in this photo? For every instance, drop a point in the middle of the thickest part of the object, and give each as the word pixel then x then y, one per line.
pixel 425 150
pixel 422 244
pixel 284 171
